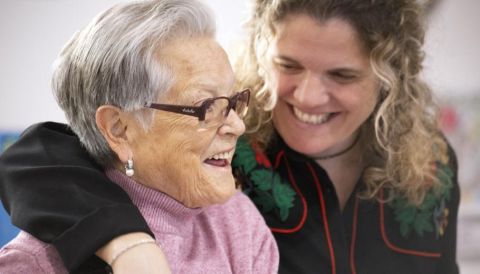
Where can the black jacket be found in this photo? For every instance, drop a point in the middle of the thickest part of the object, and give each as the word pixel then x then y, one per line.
pixel 53 190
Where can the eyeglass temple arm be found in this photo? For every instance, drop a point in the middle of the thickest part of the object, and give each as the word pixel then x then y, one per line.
pixel 187 110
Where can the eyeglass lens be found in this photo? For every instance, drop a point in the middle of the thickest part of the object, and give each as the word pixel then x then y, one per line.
pixel 218 109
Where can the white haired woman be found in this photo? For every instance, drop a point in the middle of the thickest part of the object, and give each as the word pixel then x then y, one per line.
pixel 163 124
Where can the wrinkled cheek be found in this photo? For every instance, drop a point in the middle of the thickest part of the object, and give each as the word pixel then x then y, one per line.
pixel 183 173
pixel 201 190
pixel 204 138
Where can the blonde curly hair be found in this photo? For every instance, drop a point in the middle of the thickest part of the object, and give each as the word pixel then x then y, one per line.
pixel 402 136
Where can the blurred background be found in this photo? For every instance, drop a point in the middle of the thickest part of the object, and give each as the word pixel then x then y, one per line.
pixel 32 32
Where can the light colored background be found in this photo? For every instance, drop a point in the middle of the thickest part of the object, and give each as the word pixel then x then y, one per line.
pixel 32 32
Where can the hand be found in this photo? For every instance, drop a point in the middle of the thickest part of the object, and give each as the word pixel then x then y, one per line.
pixel 134 253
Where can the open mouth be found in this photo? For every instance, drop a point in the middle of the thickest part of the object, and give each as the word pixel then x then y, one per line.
pixel 221 159
pixel 313 119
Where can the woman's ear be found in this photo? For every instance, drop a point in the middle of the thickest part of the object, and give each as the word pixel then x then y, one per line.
pixel 113 124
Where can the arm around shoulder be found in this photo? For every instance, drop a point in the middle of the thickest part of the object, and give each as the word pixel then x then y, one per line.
pixel 53 190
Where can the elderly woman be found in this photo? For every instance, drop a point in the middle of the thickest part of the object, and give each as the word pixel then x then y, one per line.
pixel 163 124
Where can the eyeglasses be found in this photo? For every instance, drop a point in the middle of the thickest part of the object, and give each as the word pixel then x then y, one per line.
pixel 212 112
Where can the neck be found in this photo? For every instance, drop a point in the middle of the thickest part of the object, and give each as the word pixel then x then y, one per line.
pixel 341 152
pixel 344 172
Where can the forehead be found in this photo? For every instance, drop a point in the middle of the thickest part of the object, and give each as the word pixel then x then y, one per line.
pixel 200 65
pixel 305 38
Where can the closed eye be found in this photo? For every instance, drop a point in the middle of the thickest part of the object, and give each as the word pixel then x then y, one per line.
pixel 288 68
pixel 343 77
pixel 286 65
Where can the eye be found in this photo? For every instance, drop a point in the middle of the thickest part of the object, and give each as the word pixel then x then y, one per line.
pixel 210 106
pixel 343 77
pixel 287 67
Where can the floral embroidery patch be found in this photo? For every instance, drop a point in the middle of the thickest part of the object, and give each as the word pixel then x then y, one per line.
pixel 432 214
pixel 265 186
pixel 441 219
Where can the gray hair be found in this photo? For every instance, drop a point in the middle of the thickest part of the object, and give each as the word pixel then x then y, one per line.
pixel 114 61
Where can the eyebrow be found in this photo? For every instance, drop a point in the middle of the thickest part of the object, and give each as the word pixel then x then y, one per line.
pixel 202 91
pixel 346 70
pixel 335 69
pixel 285 58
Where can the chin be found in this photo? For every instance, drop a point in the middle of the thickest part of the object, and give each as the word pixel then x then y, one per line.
pixel 223 190
pixel 212 191
pixel 303 145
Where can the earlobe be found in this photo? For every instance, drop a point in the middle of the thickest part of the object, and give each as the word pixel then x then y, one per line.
pixel 112 124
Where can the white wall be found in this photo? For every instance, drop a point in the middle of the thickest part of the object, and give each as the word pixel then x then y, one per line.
pixel 32 32
pixel 453 48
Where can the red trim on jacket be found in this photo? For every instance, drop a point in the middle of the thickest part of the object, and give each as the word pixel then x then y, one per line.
pixel 280 155
pixel 324 217
pixel 394 247
pixel 354 238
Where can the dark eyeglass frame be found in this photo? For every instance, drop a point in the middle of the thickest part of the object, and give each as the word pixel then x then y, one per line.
pixel 200 111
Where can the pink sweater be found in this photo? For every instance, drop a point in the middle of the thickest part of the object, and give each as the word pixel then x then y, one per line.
pixel 227 238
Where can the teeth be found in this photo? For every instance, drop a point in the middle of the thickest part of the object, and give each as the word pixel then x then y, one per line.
pixel 311 118
pixel 222 156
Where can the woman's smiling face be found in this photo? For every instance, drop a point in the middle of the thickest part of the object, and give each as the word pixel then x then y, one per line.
pixel 177 156
pixel 325 85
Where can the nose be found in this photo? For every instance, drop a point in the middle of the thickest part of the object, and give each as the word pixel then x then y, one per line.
pixel 232 125
pixel 311 91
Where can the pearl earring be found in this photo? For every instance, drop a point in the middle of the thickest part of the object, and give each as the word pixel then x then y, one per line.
pixel 129 168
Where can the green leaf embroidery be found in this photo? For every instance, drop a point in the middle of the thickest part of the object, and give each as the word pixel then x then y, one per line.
pixel 404 229
pixel 406 215
pixel 244 156
pixel 423 223
pixel 262 179
pixel 423 219
pixel 265 200
pixel 270 191
pixel 284 196
pixel 429 202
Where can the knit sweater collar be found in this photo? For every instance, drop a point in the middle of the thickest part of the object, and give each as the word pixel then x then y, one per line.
pixel 160 210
